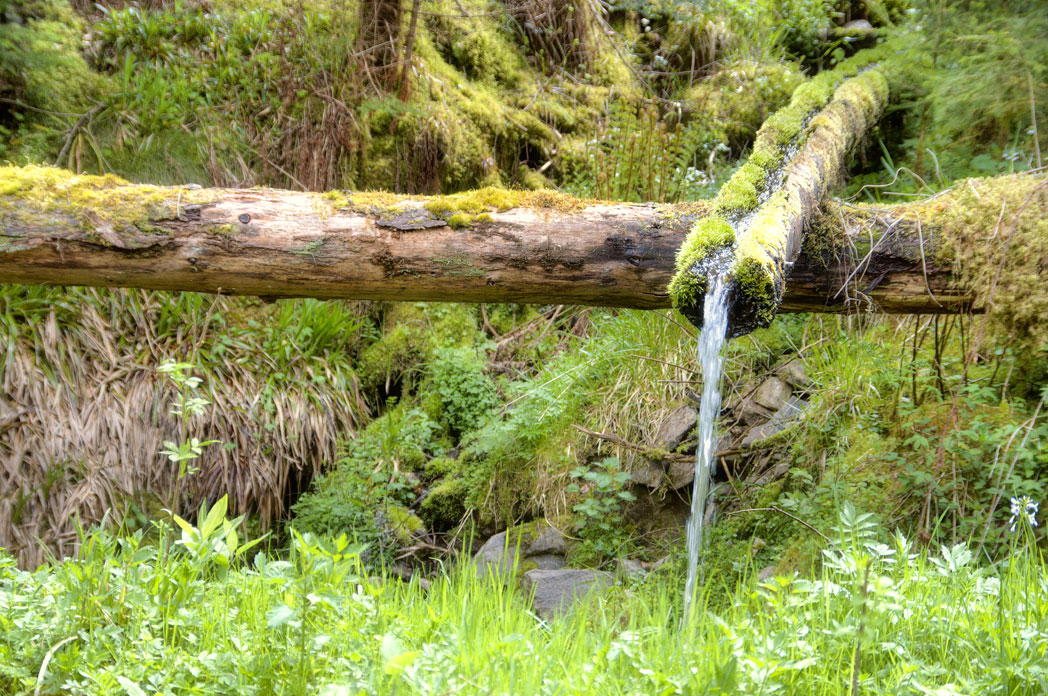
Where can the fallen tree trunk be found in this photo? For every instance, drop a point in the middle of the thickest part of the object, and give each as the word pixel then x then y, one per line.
pixel 759 216
pixel 486 246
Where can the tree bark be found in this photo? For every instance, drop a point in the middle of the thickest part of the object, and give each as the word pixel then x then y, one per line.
pixel 540 248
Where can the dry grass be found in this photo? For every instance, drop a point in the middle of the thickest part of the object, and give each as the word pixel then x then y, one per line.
pixel 83 412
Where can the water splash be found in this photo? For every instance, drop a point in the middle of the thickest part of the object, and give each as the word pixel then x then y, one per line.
pixel 711 341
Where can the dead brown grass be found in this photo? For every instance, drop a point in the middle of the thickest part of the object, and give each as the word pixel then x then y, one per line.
pixel 83 415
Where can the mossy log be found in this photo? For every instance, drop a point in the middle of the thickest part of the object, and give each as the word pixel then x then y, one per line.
pixel 486 246
pixel 760 214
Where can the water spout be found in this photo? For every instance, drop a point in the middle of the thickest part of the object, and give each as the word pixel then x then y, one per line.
pixel 711 342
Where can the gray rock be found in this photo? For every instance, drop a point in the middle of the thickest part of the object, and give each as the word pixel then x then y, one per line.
pixel 796 374
pixel 646 473
pixel 546 549
pixel 547 540
pixel 495 557
pixel 545 561
pixel 681 473
pixel 675 427
pixel 790 412
pixel 630 566
pixel 766 573
pixel 772 393
pixel 857 26
pixel 555 592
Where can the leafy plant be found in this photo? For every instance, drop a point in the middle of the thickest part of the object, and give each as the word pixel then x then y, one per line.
pixel 465 392
pixel 602 525
pixel 189 405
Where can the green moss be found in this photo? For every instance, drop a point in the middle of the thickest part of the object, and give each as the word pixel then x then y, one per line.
pixel 740 192
pixel 404 524
pixel 965 220
pixel 445 505
pixel 222 230
pixel 439 467
pixel 90 201
pixel 759 256
pixel 707 235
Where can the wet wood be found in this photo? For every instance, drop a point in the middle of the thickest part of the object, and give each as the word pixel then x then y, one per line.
pixel 274 244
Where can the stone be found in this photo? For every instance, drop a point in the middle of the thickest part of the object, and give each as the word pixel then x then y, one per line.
pixel 675 427
pixel 857 26
pixel 545 551
pixel 556 592
pixel 494 556
pixel 646 473
pixel 681 473
pixel 547 540
pixel 631 567
pixel 544 561
pixel 772 394
pixel 790 412
pixel 796 374
pixel 766 573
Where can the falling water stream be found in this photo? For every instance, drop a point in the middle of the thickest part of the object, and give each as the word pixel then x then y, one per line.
pixel 711 341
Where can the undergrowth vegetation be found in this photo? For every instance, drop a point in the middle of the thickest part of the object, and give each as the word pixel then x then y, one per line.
pixel 882 541
pixel 133 616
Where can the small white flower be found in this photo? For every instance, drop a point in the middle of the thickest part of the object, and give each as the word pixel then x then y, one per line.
pixel 1023 507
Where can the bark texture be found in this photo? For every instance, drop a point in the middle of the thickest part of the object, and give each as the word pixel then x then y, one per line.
pixel 488 246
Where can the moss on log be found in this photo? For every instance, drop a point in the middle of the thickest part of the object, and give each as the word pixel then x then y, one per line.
pixel 799 153
pixel 539 247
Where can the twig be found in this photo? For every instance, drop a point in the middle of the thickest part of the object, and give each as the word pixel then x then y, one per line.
pixel 1033 117
pixel 75 130
pixel 774 508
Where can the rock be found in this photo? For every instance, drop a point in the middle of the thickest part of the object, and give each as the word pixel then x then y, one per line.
pixel 547 540
pixel 495 557
pixel 772 393
pixel 675 427
pixel 790 412
pixel 646 473
pixel 555 592
pixel 766 573
pixel 631 567
pixel 681 473
pixel 543 548
pixel 544 561
pixel 795 374
pixel 857 26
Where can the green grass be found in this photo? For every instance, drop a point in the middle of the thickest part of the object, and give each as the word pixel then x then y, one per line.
pixel 879 617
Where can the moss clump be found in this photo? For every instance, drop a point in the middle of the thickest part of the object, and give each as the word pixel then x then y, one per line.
pixel 741 95
pixel 41 67
pixel 90 201
pixel 707 235
pixel 999 255
pixel 445 505
pixel 404 524
pixel 760 252
pixel 486 200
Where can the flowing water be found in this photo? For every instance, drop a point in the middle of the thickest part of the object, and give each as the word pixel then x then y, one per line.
pixel 711 341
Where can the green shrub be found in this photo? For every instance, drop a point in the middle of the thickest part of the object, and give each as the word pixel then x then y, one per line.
pixel 466 393
pixel 40 68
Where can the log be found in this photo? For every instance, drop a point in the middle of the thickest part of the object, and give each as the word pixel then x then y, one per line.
pixel 759 216
pixel 485 246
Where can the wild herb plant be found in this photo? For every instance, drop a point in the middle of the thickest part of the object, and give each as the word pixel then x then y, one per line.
pixel 601 523
pixel 881 615
pixel 189 404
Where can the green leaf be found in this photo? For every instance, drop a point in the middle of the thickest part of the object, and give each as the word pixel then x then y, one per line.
pixel 279 615
pixel 130 687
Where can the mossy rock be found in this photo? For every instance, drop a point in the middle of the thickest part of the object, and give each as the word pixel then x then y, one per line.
pixel 445 505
